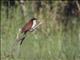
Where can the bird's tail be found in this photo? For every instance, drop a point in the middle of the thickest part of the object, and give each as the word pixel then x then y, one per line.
pixel 20 39
pixel 18 42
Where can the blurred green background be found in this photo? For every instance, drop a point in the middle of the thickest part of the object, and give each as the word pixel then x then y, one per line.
pixel 58 38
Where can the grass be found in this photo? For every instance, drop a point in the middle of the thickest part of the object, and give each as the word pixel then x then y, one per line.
pixel 49 42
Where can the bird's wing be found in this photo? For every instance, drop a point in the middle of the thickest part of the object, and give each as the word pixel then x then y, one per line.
pixel 27 27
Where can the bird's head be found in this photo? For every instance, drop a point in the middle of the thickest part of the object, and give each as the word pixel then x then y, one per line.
pixel 34 18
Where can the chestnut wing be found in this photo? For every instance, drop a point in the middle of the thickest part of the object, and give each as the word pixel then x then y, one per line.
pixel 27 26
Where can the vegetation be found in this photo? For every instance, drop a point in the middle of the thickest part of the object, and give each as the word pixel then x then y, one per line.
pixel 58 38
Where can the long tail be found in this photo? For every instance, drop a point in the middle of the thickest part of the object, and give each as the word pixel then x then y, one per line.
pixel 22 40
pixel 15 48
pixel 19 40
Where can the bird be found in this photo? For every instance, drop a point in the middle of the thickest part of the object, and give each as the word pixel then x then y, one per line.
pixel 29 26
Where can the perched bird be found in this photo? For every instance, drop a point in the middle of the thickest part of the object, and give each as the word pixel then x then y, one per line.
pixel 30 26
